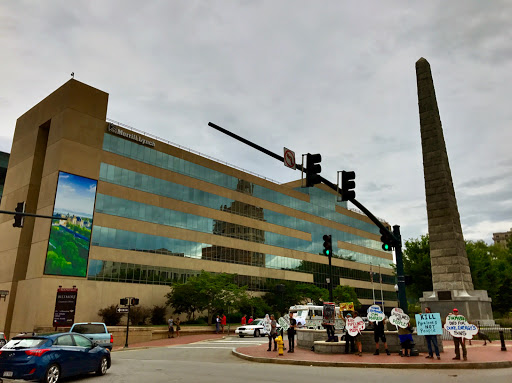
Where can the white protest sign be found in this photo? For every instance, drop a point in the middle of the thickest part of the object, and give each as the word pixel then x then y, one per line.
pixel 354 325
pixel 398 318
pixel 284 322
pixel 266 324
pixel 375 314
pixel 458 327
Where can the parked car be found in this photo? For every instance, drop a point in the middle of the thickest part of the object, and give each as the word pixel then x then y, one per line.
pixel 95 331
pixel 255 329
pixel 3 339
pixel 52 357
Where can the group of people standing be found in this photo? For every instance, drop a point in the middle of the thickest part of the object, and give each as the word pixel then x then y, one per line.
pixel 171 323
pixel 220 323
pixel 272 334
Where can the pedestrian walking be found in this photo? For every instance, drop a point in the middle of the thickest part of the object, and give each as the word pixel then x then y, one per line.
pixel 223 322
pixel 178 327
pixel 431 341
pixel 459 342
pixel 291 334
pixel 170 323
pixel 272 334
pixel 217 324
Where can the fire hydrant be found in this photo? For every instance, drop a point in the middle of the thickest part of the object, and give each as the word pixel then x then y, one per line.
pixel 280 345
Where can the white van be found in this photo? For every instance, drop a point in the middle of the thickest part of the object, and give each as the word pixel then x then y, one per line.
pixel 311 317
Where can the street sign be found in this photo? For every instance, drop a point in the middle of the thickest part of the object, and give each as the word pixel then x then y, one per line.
pixel 122 310
pixel 65 304
pixel 289 158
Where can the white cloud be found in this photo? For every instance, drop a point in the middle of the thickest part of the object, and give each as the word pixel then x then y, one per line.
pixel 336 78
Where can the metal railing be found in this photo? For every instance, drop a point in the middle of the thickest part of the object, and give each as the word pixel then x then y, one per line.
pixel 189 150
pixel 488 333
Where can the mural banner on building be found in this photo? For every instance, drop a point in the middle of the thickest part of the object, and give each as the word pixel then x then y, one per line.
pixel 70 236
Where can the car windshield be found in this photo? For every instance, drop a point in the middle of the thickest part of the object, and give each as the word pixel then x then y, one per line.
pixel 18 343
pixel 256 323
pixel 89 328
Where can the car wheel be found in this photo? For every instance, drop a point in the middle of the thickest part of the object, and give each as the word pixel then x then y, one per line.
pixel 241 336
pixel 103 366
pixel 52 374
pixel 256 333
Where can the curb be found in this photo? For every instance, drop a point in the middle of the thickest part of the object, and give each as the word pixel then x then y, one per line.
pixel 424 366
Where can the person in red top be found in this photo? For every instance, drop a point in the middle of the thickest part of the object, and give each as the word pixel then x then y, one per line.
pixel 244 320
pixel 223 322
pixel 250 320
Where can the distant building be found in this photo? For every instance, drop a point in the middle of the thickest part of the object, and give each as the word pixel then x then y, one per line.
pixel 502 238
pixel 4 161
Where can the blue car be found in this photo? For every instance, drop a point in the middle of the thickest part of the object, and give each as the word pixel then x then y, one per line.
pixel 49 358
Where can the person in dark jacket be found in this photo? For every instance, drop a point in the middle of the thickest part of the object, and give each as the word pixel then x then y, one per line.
pixel 291 333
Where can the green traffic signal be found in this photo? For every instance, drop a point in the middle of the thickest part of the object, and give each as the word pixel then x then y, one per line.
pixel 386 247
pixel 327 245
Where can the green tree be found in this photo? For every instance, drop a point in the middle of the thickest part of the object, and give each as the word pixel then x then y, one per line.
pixel 293 293
pixel 342 294
pixel 213 293
pixel 416 258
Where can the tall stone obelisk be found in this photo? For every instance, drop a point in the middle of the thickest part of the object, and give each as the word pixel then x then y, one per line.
pixel 451 275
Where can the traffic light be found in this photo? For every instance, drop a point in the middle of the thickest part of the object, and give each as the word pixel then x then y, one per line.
pixel 134 301
pixel 347 184
pixel 313 169
pixel 124 301
pixel 387 242
pixel 327 245
pixel 18 219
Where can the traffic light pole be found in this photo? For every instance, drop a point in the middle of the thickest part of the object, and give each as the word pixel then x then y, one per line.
pixel 29 214
pixel 331 299
pixel 395 238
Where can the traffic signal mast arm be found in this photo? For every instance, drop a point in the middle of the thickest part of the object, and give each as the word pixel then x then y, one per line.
pixel 382 228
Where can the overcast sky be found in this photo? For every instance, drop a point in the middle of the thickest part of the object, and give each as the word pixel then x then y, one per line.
pixel 330 77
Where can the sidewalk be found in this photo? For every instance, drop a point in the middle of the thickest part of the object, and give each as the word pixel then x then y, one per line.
pixel 479 356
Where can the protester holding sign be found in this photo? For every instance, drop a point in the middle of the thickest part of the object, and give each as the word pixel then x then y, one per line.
pixel 461 330
pixel 349 339
pixel 430 326
pixel 378 318
pixel 354 327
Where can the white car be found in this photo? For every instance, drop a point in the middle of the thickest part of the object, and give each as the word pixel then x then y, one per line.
pixel 3 339
pixel 255 329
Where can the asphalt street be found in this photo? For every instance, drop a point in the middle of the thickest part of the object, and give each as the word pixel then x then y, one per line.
pixel 212 361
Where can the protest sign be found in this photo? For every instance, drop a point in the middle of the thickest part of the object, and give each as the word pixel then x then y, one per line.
pixel 429 324
pixel 458 327
pixel 398 318
pixel 375 314
pixel 329 313
pixel 284 322
pixel 354 325
pixel 347 306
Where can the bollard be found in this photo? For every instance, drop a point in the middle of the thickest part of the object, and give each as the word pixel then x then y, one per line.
pixel 502 338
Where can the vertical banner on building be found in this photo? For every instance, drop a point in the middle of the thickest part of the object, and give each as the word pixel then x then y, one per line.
pixel 65 304
pixel 70 236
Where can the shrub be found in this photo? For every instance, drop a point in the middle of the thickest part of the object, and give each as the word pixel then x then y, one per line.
pixel 158 315
pixel 110 316
pixel 139 315
pixel 201 320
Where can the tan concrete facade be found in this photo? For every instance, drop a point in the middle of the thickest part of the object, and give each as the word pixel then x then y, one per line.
pixel 69 126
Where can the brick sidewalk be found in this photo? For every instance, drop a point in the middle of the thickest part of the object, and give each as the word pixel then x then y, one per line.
pixel 479 356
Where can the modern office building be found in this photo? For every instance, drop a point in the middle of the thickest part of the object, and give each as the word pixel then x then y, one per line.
pixel 136 213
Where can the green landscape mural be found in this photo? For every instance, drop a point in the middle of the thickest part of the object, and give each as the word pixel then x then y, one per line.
pixel 70 235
